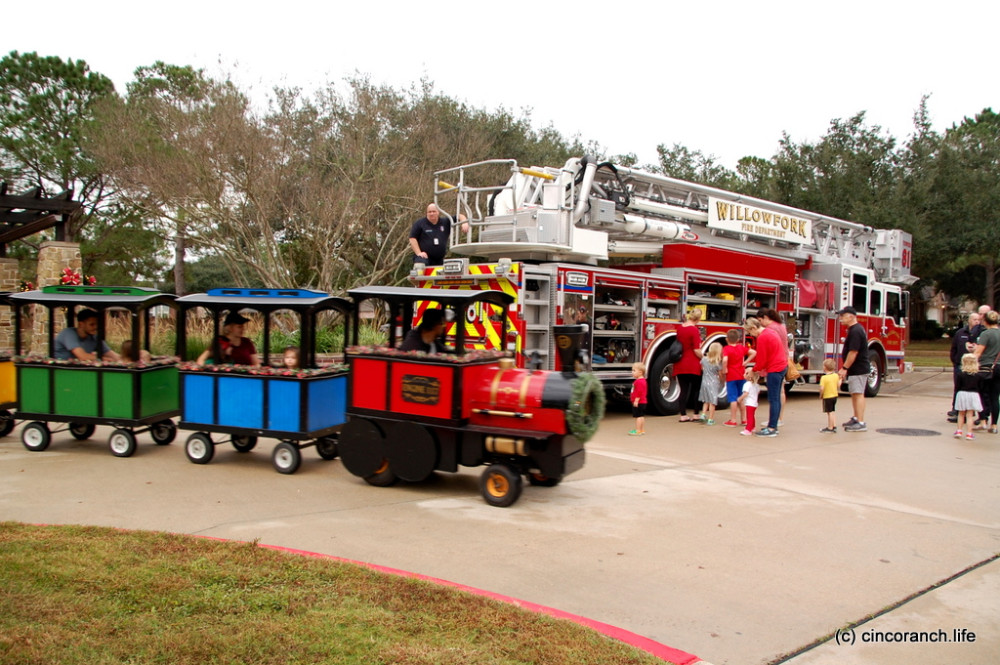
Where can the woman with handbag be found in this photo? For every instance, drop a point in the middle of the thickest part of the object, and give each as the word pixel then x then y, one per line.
pixel 687 370
pixel 988 353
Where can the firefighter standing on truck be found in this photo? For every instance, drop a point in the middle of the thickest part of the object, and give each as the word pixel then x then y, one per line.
pixel 429 236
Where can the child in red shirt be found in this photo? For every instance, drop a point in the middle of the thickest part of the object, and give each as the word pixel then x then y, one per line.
pixel 638 399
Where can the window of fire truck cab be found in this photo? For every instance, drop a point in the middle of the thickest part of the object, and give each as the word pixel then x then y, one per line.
pixel 859 293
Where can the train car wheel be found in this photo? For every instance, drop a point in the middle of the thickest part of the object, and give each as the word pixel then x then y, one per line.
pixel 36 436
pixel 163 432
pixel 122 443
pixel 327 448
pixel 286 458
pixel 500 485
pixel 361 446
pixel 541 480
pixel 412 451
pixel 6 422
pixel 243 444
pixel 199 448
pixel 81 432
pixel 383 476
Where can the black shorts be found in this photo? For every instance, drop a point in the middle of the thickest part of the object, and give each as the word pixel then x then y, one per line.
pixel 829 404
pixel 638 411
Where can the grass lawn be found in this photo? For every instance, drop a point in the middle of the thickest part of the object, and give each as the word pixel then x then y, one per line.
pixel 930 353
pixel 90 596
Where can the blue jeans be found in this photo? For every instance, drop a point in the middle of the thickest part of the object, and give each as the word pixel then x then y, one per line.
pixel 775 384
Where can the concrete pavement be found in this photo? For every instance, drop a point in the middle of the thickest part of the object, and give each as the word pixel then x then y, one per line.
pixel 737 549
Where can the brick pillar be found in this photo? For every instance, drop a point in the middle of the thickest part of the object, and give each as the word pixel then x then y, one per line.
pixel 9 281
pixel 52 258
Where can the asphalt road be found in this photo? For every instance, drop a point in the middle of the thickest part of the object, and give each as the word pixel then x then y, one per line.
pixel 736 549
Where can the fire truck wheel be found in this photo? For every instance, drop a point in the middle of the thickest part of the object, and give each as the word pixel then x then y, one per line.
pixel 664 391
pixel 541 480
pixel 500 485
pixel 383 476
pixel 876 374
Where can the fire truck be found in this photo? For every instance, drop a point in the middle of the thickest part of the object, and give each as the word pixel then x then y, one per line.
pixel 546 236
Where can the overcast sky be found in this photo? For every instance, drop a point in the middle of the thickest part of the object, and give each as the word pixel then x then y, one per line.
pixel 723 77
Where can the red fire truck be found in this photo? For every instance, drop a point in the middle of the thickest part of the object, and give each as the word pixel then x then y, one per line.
pixel 546 235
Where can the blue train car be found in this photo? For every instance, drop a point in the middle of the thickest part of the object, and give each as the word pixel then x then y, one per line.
pixel 301 406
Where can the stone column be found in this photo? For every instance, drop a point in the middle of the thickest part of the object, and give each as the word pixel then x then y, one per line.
pixel 9 281
pixel 53 257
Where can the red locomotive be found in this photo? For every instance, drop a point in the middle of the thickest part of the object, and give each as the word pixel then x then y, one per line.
pixel 411 413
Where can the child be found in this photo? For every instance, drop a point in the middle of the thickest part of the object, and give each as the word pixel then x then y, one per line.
pixel 291 359
pixel 829 386
pixel 128 353
pixel 638 397
pixel 748 400
pixel 733 357
pixel 967 400
pixel 711 382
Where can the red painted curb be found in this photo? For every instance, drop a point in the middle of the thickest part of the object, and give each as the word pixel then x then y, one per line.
pixel 663 651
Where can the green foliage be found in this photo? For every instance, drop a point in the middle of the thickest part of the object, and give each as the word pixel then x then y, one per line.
pixel 681 162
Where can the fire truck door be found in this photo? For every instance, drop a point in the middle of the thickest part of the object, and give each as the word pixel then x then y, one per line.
pixel 876 313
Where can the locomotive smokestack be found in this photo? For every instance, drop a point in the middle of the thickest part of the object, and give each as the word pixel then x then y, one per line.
pixel 569 339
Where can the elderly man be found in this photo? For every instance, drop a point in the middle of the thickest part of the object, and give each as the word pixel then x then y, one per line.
pixel 855 367
pixel 429 236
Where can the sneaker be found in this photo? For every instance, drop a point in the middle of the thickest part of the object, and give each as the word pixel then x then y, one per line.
pixel 993 429
pixel 953 414
pixel 709 422
pixel 852 421
pixel 958 434
pixel 731 423
pixel 828 430
pixel 635 433
pixel 702 417
pixel 746 432
pixel 856 427
pixel 767 431
pixel 953 419
pixel 970 437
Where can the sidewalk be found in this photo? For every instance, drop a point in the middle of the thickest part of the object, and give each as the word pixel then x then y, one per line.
pixel 737 549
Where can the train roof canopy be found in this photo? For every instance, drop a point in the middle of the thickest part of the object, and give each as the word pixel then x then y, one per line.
pixel 97 297
pixel 447 297
pixel 264 300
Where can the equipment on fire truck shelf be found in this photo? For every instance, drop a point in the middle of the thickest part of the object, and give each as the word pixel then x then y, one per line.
pixel 411 413
pixel 545 231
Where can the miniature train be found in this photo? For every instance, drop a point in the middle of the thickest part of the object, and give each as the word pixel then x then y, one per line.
pixel 388 414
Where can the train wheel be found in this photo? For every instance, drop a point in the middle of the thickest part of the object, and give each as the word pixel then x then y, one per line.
pixel 327 447
pixel 199 448
pixel 80 431
pixel 383 476
pixel 243 444
pixel 500 485
pixel 361 446
pixel 122 443
pixel 412 451
pixel 541 480
pixel 286 458
pixel 6 422
pixel 163 432
pixel 664 390
pixel 36 436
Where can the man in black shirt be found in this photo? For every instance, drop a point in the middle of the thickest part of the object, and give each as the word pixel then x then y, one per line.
pixel 429 236
pixel 855 367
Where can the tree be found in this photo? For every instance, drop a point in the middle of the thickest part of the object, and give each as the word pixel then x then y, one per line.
pixel 693 165
pixel 964 201
pixel 45 107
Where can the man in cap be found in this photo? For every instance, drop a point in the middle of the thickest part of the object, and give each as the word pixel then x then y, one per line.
pixel 425 336
pixel 855 367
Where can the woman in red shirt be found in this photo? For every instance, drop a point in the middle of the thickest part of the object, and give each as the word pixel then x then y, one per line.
pixel 687 370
